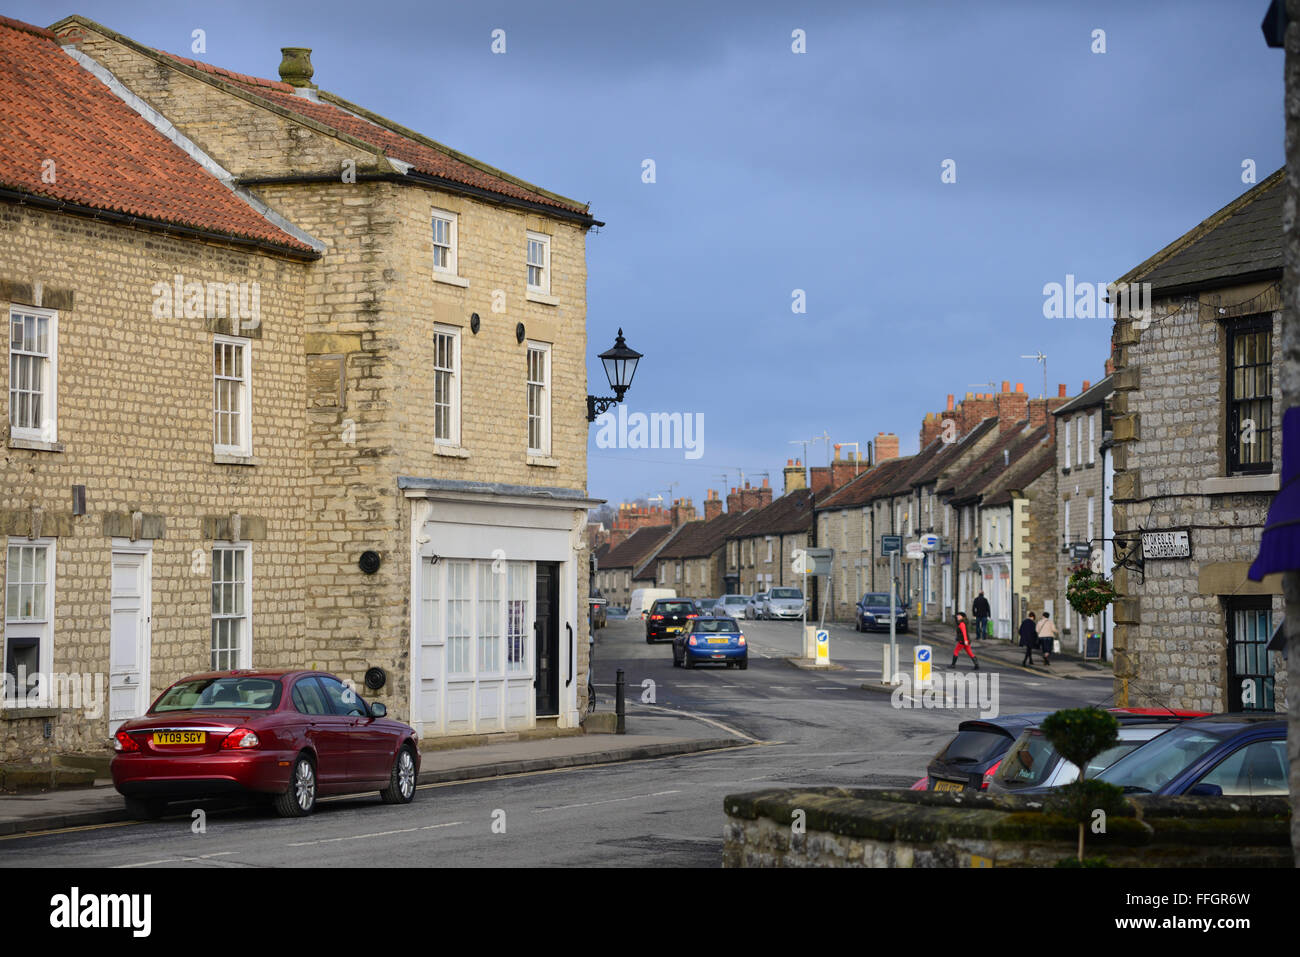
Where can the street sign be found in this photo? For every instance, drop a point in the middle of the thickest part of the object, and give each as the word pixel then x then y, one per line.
pixel 891 543
pixel 921 666
pixel 1174 544
pixel 930 542
pixel 800 563
pixel 812 561
pixel 915 551
pixel 1080 551
pixel 823 647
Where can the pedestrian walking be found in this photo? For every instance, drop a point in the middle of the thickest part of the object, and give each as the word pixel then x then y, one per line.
pixel 1047 637
pixel 1028 639
pixel 963 641
pixel 982 615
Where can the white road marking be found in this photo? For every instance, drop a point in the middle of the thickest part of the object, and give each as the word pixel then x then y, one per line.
pixel 173 860
pixel 635 797
pixel 358 837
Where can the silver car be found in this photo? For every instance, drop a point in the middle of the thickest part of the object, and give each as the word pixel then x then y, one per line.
pixel 731 606
pixel 783 603
pixel 754 606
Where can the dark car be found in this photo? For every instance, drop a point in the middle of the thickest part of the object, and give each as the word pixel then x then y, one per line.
pixel 872 613
pixel 1226 754
pixel 714 639
pixel 976 751
pixel 285 735
pixel 667 617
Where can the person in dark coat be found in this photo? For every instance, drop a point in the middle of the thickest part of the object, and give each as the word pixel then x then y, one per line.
pixel 1028 638
pixel 982 615
pixel 963 641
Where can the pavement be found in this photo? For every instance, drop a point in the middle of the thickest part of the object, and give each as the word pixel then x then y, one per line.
pixel 651 734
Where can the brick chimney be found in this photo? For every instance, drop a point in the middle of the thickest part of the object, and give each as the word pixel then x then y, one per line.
pixel 886 446
pixel 1040 412
pixel 973 410
pixel 795 477
pixel 1086 386
pixel 844 469
pixel 931 428
pixel 683 511
pixel 1013 407
pixel 712 505
pixel 819 478
pixel 758 497
pixel 734 501
pixel 1060 390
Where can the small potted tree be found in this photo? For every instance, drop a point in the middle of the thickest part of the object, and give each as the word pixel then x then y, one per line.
pixel 1079 735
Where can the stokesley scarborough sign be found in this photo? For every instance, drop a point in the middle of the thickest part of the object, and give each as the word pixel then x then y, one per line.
pixel 1175 543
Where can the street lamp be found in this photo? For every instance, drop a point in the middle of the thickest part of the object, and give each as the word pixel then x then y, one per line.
pixel 620 366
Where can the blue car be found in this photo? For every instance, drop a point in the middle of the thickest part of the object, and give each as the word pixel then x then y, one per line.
pixel 872 613
pixel 712 639
pixel 1223 755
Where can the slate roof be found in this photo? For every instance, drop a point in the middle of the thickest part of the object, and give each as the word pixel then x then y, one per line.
pixel 971 482
pixel 1022 473
pixel 792 512
pixel 105 155
pixel 634 549
pixel 863 488
pixel 1095 396
pixel 1241 242
pixel 701 538
pixel 953 451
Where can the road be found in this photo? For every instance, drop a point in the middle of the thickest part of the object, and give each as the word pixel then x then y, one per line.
pixel 812 728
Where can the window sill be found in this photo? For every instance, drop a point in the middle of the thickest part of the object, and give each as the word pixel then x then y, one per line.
pixel 1236 484
pixel 451 451
pixel 228 458
pixel 448 279
pixel 36 445
pixel 543 461
pixel 543 298
pixel 1090 465
pixel 17 714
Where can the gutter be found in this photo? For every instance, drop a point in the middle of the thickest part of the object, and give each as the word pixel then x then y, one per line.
pixel 23 198
pixel 426 179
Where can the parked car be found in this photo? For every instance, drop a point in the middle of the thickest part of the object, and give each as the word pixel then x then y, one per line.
pixel 1226 754
pixel 289 736
pixel 643 598
pixel 754 607
pixel 731 606
pixel 716 639
pixel 668 616
pixel 872 613
pixel 597 605
pixel 1033 763
pixel 783 603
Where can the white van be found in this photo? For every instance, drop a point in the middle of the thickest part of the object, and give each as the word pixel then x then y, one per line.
pixel 643 598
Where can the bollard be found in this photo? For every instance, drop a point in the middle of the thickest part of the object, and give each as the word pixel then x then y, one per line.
pixel 620 686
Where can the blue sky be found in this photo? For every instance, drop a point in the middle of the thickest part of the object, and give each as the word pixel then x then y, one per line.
pixel 819 171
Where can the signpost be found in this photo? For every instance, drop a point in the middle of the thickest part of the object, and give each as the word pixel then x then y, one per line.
pixel 890 664
pixel 891 543
pixel 921 666
pixel 823 647
pixel 1171 544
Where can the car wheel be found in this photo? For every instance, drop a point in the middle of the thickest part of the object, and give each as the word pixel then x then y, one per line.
pixel 401 783
pixel 649 640
pixel 676 661
pixel 743 665
pixel 143 809
pixel 686 660
pixel 299 798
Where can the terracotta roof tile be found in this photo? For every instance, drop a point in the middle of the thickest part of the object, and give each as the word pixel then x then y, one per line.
pixel 425 158
pixel 105 155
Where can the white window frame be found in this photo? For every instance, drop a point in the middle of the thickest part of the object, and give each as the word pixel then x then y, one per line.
pixel 1078 438
pixel 768 540
pixel 1091 517
pixel 1067 443
pixel 453 416
pixel 544 286
pixel 1067 522
pixel 41 629
pixel 452 245
pixel 1092 437
pixel 544 447
pixel 245 446
pixel 245 656
pixel 48 430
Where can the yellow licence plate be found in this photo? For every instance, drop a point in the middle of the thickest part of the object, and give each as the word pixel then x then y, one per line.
pixel 179 737
pixel 719 641
pixel 673 631
pixel 948 786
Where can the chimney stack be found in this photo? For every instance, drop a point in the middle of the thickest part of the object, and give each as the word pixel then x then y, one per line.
pixel 795 478
pixel 1013 408
pixel 886 446
pixel 296 68
pixel 712 505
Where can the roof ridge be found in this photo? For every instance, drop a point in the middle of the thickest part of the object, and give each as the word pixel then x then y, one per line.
pixel 25 27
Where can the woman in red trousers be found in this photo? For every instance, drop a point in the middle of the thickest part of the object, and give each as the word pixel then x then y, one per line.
pixel 963 641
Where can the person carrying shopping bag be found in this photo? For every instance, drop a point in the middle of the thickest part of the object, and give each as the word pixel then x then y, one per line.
pixel 1047 637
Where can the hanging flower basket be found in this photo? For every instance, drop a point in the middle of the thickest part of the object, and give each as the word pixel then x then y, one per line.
pixel 1087 592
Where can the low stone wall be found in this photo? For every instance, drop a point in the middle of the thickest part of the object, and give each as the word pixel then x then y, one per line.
pixel 838 827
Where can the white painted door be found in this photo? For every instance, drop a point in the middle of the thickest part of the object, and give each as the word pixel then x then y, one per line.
pixel 128 687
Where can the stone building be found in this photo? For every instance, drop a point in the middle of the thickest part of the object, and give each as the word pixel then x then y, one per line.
pixel 760 549
pixel 427 478
pixel 1082 513
pixel 1196 416
pixel 624 566
pixel 693 561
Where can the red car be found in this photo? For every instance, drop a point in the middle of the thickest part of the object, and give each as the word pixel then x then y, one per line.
pixel 287 735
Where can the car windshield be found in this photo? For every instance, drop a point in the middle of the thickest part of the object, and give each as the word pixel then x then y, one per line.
pixel 715 624
pixel 1029 762
pixel 735 600
pixel 200 694
pixel 1149 768
pixel 674 608
pixel 876 598
pixel 973 746
pixel 786 593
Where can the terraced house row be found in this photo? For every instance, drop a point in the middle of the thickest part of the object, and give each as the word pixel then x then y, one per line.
pixel 288 385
